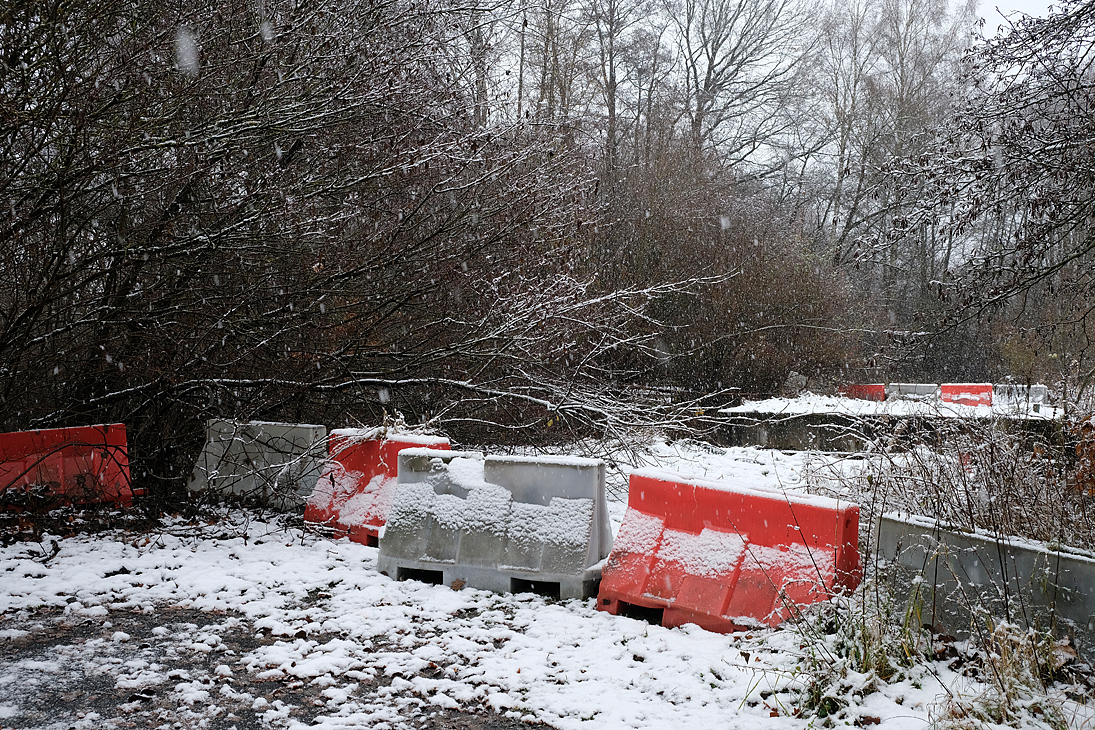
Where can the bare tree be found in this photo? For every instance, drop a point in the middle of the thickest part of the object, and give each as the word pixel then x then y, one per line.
pixel 557 37
pixel 739 61
pixel 616 23
pixel 1011 179
pixel 299 213
pixel 886 73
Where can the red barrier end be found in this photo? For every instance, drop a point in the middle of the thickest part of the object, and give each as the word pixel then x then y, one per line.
pixel 354 493
pixel 79 465
pixel 873 391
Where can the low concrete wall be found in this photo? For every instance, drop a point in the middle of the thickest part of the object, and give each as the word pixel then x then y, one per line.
pixel 843 433
pixel 954 578
pixel 276 464
pixel 804 432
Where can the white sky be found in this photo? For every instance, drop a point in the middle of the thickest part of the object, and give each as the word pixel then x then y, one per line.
pixel 1030 7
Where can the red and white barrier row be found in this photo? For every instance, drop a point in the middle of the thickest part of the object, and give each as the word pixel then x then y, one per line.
pixel 966 394
pixel 723 557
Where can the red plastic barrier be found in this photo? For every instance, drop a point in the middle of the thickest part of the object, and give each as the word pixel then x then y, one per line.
pixel 873 391
pixel 355 491
pixel 727 559
pixel 81 465
pixel 966 394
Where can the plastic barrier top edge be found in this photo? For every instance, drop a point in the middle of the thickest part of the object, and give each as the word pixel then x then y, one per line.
pixel 768 492
pixel 265 423
pixel 382 434
pixel 561 460
pixel 59 429
pixel 442 453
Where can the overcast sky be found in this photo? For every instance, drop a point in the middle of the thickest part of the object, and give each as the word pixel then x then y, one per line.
pixel 1030 7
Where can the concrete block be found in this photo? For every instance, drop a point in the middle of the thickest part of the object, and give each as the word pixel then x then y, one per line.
pixel 912 391
pixel 956 579
pixel 277 464
pixel 1021 394
pixel 505 524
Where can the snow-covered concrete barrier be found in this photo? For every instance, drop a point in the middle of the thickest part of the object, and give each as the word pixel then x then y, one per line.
pixel 912 391
pixel 726 558
pixel 277 464
pixel 505 524
pixel 957 579
pixel 1035 395
pixel 354 493
pixel 79 465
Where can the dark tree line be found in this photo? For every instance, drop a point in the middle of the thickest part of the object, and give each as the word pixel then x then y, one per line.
pixel 288 211
pixel 1010 182
pixel 511 221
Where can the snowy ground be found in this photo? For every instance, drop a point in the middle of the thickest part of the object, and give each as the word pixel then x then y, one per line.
pixel 246 623
pixel 810 403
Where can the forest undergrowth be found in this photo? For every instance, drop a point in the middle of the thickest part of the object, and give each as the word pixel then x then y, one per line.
pixel 1007 481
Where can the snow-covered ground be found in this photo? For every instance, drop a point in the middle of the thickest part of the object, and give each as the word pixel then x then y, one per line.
pixel 810 403
pixel 369 652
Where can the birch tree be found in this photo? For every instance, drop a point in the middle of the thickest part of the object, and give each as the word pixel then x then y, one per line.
pixel 740 61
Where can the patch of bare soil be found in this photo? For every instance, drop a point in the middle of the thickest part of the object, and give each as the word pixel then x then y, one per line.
pixel 28 525
pixel 173 668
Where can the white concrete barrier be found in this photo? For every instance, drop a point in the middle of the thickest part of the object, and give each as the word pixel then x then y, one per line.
pixel 912 391
pixel 1021 394
pixel 276 464
pixel 956 578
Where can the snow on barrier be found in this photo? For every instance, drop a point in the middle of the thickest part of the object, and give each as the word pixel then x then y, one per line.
pixel 504 524
pixel 956 578
pixel 1034 395
pixel 277 464
pixel 873 391
pixel 726 558
pixel 80 465
pixel 912 391
pixel 354 493
pixel 966 394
